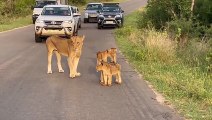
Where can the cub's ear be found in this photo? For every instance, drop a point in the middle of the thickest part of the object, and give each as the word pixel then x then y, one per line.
pixel 114 49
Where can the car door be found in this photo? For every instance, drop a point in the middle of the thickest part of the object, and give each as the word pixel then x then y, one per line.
pixel 76 19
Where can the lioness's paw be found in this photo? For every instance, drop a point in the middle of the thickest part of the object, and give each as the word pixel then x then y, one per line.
pixel 78 74
pixel 61 71
pixel 49 72
pixel 109 85
pixel 72 76
pixel 118 82
pixel 102 83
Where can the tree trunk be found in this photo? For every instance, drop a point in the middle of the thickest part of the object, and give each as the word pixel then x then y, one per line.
pixel 192 7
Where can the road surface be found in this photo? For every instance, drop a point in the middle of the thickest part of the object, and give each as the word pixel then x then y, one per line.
pixel 27 92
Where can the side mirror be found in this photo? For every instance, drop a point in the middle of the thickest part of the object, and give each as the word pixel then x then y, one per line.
pixel 122 11
pixel 32 7
pixel 76 14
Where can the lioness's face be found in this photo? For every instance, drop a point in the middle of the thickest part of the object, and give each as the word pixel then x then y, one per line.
pixel 77 42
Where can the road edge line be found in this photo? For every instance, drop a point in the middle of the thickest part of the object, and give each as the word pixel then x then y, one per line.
pixel 15 28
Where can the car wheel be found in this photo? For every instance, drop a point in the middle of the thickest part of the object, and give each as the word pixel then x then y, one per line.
pixel 85 20
pixel 99 27
pixel 37 38
pixel 33 21
pixel 75 32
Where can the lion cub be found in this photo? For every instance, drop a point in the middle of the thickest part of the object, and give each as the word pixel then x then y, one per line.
pixel 110 69
pixel 70 48
pixel 102 56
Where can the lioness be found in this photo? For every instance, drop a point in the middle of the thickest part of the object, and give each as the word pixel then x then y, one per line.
pixel 70 48
pixel 102 56
pixel 110 69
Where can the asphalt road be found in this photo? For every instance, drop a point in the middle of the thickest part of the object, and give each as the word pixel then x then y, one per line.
pixel 27 92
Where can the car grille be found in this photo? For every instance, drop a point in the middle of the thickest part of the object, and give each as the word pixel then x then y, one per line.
pixel 36 14
pixel 53 22
pixel 92 15
pixel 109 16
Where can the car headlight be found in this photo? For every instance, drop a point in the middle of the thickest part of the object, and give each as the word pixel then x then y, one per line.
pixel 39 21
pixel 86 15
pixel 118 16
pixel 68 21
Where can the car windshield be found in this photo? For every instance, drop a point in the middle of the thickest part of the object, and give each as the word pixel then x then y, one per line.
pixel 110 9
pixel 94 7
pixel 61 11
pixel 41 4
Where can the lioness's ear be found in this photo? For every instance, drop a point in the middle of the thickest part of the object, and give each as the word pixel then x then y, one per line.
pixel 83 37
pixel 73 38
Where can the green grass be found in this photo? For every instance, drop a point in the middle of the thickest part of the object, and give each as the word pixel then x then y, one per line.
pixel 154 55
pixel 15 23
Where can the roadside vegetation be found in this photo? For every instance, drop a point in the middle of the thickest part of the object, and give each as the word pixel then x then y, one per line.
pixel 17 13
pixel 172 48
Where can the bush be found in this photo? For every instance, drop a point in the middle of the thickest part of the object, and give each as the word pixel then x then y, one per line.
pixel 177 17
pixel 158 13
pixel 179 28
pixel 77 2
pixel 203 11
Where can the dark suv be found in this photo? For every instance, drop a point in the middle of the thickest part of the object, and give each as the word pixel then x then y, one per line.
pixel 111 15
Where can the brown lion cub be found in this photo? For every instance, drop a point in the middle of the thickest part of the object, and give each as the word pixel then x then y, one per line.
pixel 102 56
pixel 70 48
pixel 110 69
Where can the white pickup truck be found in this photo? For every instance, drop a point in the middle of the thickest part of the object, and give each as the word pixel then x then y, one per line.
pixel 39 4
pixel 56 20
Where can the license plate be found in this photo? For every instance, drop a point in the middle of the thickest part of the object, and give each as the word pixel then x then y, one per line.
pixel 93 15
pixel 109 22
pixel 53 26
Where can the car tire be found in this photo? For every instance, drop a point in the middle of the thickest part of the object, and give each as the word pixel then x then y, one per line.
pixel 85 20
pixel 33 21
pixel 75 32
pixel 80 23
pixel 99 27
pixel 37 38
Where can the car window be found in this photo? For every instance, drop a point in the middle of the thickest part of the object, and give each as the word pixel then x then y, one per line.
pixel 41 4
pixel 62 11
pixel 94 7
pixel 110 9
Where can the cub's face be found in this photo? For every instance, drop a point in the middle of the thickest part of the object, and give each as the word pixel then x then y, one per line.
pixel 99 57
pixel 101 66
pixel 112 52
